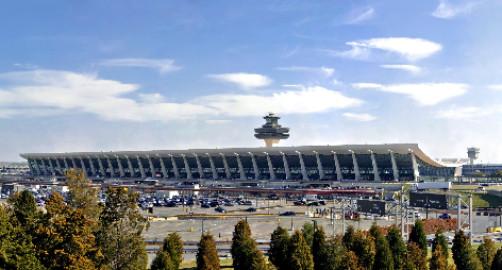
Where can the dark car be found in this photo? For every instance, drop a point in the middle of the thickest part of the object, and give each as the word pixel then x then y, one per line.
pixel 229 204
pixel 205 205
pixel 220 209
pixel 214 203
pixel 299 203
pixel 314 203
pixel 444 216
pixel 171 204
pixel 287 214
pixel 251 209
pixel 246 203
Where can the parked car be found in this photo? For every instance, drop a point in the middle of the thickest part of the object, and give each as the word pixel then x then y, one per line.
pixel 444 216
pixel 287 214
pixel 205 205
pixel 220 209
pixel 251 209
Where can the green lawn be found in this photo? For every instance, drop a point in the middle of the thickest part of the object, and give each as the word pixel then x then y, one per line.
pixel 190 265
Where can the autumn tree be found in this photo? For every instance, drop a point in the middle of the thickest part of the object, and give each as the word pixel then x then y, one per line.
pixel 308 232
pixel 438 261
pixel 486 252
pixel 81 194
pixel 348 237
pixel 350 262
pixel 364 247
pixel 383 254
pixel 417 236
pixel 278 251
pixel 319 248
pixel 207 255
pixel 300 257
pixel 415 258
pixel 119 235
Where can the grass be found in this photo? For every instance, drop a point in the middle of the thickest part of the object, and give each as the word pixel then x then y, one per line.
pixel 483 200
pixel 191 265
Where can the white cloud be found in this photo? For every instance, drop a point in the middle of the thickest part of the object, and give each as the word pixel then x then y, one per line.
pixel 309 100
pixel 361 15
pixel 162 65
pixel 445 10
pixel 409 68
pixel 217 121
pixel 496 87
pixel 362 117
pixel 464 112
pixel 426 94
pixel 243 80
pixel 323 71
pixel 412 49
pixel 50 92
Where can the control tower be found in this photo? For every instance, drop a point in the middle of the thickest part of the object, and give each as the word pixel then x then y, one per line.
pixel 472 154
pixel 271 132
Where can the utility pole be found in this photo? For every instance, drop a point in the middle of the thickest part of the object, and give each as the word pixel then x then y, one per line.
pixel 459 210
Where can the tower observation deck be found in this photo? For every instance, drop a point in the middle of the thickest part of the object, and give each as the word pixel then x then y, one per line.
pixel 271 132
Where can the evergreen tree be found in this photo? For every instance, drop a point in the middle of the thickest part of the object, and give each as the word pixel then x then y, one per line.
pixel 348 237
pixel 207 255
pixel 119 236
pixel 318 248
pixel 364 247
pixel 82 195
pixel 383 256
pixel 173 245
pixel 299 252
pixel 279 245
pixel 308 233
pixel 162 261
pixel 415 257
pixel 440 240
pixel 397 246
pixel 438 260
pixel 25 209
pixel 350 262
pixel 463 255
pixel 486 252
pixel 497 260
pixel 418 236
pixel 374 230
pixel 331 256
pixel 244 250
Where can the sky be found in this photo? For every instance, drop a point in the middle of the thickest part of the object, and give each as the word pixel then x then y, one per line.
pixel 109 75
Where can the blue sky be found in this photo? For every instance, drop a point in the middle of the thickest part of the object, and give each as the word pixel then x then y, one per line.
pixel 128 75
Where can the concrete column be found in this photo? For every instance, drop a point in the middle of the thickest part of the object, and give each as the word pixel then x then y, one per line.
pixel 36 167
pixel 175 168
pixel 141 168
pixel 73 163
pixel 414 163
pixel 199 166
pixel 270 167
pixel 163 167
pixel 40 165
pixel 319 165
pixel 305 176
pixel 357 173
pixel 58 166
pixel 242 174
pixel 110 167
pixel 121 168
pixel 91 164
pixel 51 167
pixel 395 170
pixel 255 167
pixel 84 169
pixel 187 166
pixel 101 167
pixel 286 166
pixel 132 173
pixel 376 175
pixel 30 165
pixel 213 168
pixel 225 165
pixel 66 166
pixel 152 168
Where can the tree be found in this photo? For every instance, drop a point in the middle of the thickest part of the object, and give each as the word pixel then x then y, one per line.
pixel 383 256
pixel 25 209
pixel 278 252
pixel 299 252
pixel 244 250
pixel 463 255
pixel 331 255
pixel 497 260
pixel 348 237
pixel 415 257
pixel 350 262
pixel 308 232
pixel 119 235
pixel 162 261
pixel 397 246
pixel 82 195
pixel 486 252
pixel 207 255
pixel 438 260
pixel 173 245
pixel 318 248
pixel 418 237
pixel 364 247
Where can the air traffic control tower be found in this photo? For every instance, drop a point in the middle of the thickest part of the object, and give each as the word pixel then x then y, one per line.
pixel 271 132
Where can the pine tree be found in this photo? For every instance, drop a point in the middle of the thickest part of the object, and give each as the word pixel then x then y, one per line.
pixel 332 255
pixel 497 260
pixel 173 245
pixel 418 236
pixel 415 259
pixel 348 237
pixel 162 261
pixel 82 195
pixel 438 259
pixel 350 262
pixel 244 250
pixel 25 209
pixel 299 252
pixel 486 252
pixel 308 233
pixel 463 255
pixel 383 256
pixel 278 252
pixel 364 247
pixel 119 236
pixel 397 246
pixel 318 248
pixel 440 240
pixel 207 255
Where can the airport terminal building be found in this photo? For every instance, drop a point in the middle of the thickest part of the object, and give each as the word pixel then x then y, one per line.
pixel 365 163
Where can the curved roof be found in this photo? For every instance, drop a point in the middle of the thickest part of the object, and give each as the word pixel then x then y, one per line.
pixel 402 148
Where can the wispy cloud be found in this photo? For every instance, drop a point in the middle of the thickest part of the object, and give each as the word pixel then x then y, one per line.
pixel 323 71
pixel 425 94
pixel 360 15
pixel 409 68
pixel 243 80
pixel 361 117
pixel 162 65
pixel 496 87
pixel 467 112
pixel 412 49
pixel 446 10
